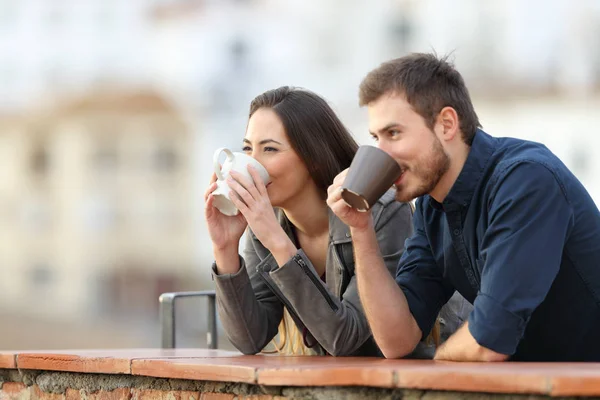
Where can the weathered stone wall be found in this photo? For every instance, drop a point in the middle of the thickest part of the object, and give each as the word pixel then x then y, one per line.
pixel 46 385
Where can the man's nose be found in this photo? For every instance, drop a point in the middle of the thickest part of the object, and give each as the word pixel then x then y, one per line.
pixel 385 146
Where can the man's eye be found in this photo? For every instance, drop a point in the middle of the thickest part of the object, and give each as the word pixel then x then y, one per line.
pixel 394 133
pixel 375 138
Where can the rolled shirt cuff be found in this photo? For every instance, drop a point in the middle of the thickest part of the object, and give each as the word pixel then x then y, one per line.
pixel 494 327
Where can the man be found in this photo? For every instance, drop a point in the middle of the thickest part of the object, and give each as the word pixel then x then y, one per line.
pixel 500 220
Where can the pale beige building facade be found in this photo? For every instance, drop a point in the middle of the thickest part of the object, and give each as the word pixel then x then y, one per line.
pixel 95 207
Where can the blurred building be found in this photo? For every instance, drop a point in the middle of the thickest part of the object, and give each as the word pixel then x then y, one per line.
pixel 96 217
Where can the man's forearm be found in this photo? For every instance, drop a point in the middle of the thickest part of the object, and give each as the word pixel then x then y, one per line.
pixel 394 328
pixel 462 346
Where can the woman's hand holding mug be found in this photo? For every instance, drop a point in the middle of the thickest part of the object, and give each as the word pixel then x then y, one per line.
pixel 226 224
pixel 251 198
pixel 225 231
pixel 240 191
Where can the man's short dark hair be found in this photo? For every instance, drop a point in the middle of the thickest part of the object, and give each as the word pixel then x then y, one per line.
pixel 428 83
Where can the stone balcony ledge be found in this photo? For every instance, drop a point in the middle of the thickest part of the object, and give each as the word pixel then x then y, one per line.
pixel 346 374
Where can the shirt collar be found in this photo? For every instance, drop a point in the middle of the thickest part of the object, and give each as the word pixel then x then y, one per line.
pixel 460 194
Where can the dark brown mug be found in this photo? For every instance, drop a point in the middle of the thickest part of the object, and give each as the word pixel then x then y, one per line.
pixel 372 172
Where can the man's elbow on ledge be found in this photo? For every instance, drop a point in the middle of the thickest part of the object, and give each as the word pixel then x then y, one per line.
pixel 492 356
pixel 487 355
pixel 396 351
pixel 401 348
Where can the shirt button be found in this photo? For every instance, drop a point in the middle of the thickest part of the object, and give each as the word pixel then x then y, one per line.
pixel 457 232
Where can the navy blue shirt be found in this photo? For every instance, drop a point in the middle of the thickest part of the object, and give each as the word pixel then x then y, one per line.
pixel 519 237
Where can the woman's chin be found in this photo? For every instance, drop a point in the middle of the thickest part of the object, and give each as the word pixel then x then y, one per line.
pixel 272 199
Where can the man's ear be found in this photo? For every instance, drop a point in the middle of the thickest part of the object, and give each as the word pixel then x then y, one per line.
pixel 448 120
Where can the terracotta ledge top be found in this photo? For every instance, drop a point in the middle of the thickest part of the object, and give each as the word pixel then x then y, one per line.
pixel 555 379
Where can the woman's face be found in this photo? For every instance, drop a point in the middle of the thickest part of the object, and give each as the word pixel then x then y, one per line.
pixel 267 142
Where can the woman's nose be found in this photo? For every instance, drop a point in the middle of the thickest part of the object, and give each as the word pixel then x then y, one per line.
pixel 256 155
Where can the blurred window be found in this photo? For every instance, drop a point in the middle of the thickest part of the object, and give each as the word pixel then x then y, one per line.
pixel 41 275
pixel 105 158
pixel 165 159
pixel 238 50
pixel 99 214
pixel 401 32
pixel 40 160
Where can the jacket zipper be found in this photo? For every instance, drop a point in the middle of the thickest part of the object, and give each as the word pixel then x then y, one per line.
pixel 291 310
pixel 281 297
pixel 315 281
pixel 341 263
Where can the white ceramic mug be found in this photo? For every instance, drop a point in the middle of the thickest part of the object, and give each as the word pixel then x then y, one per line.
pixel 237 162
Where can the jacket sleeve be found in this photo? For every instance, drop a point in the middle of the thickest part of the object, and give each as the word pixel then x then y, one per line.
pixel 340 326
pixel 249 311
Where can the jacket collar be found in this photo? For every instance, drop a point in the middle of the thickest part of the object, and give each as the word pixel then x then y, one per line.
pixel 339 232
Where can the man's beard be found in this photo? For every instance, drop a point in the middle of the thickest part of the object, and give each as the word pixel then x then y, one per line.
pixel 429 169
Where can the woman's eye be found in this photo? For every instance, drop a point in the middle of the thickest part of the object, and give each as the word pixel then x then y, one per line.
pixel 270 149
pixel 246 149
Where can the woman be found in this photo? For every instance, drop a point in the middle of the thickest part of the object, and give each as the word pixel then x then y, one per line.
pixel 297 272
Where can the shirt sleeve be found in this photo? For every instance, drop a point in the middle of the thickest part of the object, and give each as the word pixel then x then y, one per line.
pixel 420 277
pixel 521 251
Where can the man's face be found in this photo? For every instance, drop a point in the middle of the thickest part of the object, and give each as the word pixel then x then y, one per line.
pixel 401 132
